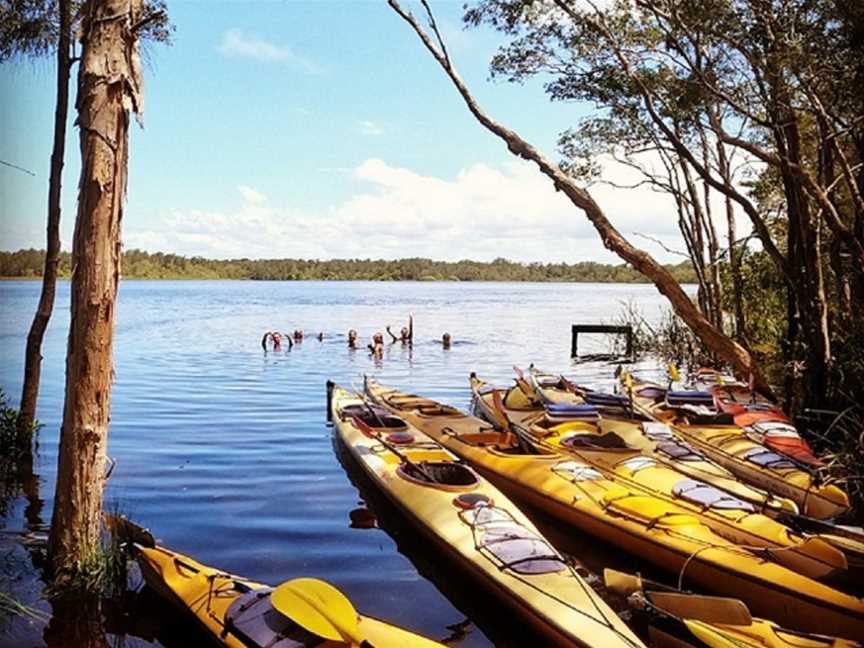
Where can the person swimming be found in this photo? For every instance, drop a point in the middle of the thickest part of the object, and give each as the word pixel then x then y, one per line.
pixel 298 335
pixel 275 338
pixel 352 339
pixel 377 346
pixel 406 335
pixel 445 341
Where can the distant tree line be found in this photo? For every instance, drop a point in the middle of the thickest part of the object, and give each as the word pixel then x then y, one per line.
pixel 143 265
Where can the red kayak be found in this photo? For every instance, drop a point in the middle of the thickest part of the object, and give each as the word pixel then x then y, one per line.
pixel 780 436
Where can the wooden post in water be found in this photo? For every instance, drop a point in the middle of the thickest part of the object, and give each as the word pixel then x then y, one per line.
pixel 576 329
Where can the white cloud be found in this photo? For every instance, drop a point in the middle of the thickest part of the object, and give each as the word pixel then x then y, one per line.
pixel 250 195
pixel 235 43
pixel 483 213
pixel 367 127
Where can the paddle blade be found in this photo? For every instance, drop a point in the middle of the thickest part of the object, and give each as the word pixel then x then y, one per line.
pixel 708 609
pixel 621 583
pixel 319 608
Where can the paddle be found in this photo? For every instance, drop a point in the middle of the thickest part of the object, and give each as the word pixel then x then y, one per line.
pixel 710 609
pixel 319 608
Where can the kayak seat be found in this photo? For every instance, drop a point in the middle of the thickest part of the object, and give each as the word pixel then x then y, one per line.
pixel 253 620
pixel 606 400
pixel 439 473
pixel 569 412
pixel 378 421
pixel 609 440
pixel 349 411
pixel 652 392
pixel 709 497
pixel 571 409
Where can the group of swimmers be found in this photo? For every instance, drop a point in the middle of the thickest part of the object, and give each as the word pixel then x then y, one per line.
pixel 275 339
pixel 376 348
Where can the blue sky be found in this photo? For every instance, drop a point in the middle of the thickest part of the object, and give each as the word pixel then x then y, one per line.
pixel 319 129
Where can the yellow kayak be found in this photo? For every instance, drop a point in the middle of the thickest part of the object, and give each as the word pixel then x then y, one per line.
pixel 682 619
pixel 661 532
pixel 657 440
pixel 240 613
pixel 476 526
pixel 653 438
pixel 728 516
pixel 731 447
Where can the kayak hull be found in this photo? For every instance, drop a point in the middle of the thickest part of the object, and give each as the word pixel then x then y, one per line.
pixel 683 546
pixel 557 605
pixel 190 586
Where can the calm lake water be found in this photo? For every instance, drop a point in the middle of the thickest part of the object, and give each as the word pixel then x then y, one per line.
pixel 224 451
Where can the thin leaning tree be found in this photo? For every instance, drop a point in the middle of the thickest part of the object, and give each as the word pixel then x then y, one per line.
pixel 33 30
pixel 109 87
pixel 714 339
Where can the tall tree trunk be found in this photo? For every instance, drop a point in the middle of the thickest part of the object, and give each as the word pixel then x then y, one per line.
pixel 33 356
pixel 109 83
pixel 714 340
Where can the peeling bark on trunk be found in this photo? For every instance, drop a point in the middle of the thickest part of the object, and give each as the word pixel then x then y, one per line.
pixel 714 340
pixel 33 354
pixel 109 85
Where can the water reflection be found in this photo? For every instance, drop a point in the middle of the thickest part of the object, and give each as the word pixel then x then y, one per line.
pixel 431 563
pixel 222 449
pixel 76 621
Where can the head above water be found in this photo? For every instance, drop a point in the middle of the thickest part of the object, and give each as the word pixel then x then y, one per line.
pixel 378 338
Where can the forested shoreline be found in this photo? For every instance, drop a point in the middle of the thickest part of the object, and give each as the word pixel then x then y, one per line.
pixel 143 265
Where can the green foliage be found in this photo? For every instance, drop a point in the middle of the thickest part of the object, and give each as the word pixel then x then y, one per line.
pixel 142 265
pixel 104 572
pixel 670 341
pixel 842 446
pixel 28 28
pixel 12 444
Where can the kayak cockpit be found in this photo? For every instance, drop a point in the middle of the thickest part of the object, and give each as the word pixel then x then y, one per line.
pixel 448 475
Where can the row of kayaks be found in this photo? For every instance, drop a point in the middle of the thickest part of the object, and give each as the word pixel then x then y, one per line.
pixel 616 468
